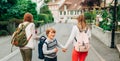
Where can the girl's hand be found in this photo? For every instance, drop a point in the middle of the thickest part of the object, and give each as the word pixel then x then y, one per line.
pixel 64 50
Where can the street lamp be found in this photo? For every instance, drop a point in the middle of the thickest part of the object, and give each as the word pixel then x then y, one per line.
pixel 113 24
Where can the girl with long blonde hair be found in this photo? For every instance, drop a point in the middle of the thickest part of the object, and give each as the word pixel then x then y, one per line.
pixel 80 27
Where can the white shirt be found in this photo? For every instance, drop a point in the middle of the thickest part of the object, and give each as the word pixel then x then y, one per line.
pixel 30 30
pixel 75 33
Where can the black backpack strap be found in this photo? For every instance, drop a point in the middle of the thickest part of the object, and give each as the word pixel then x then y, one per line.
pixel 75 39
pixel 46 44
pixel 55 40
pixel 79 31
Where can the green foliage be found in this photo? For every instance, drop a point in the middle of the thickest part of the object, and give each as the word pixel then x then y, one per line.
pixel 90 16
pixel 45 15
pixel 11 28
pixel 46 1
pixel 5 5
pixel 14 9
pixel 3 32
pixel 118 13
pixel 106 23
pixel 23 6
pixel 87 15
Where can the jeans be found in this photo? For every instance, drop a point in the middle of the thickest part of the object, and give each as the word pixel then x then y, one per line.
pixel 26 54
pixel 50 59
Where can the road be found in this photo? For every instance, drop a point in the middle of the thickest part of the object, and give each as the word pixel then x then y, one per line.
pixel 62 34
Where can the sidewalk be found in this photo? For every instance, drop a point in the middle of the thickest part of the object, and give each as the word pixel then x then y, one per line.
pixel 5 46
pixel 109 54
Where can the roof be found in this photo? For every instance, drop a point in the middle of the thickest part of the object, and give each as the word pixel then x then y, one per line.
pixel 71 5
pixel 53 3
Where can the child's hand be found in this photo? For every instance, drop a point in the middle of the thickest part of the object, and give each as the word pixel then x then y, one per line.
pixel 56 50
pixel 64 50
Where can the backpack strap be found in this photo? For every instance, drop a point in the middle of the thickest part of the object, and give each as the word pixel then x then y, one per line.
pixel 24 25
pixel 53 41
pixel 84 30
pixel 25 28
pixel 46 44
pixel 81 31
pixel 75 39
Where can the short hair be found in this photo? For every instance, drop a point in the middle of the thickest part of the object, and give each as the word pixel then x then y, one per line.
pixel 28 17
pixel 50 29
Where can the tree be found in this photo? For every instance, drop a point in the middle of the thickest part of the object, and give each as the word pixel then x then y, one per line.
pixel 23 6
pixel 4 6
pixel 45 14
pixel 10 9
pixel 92 2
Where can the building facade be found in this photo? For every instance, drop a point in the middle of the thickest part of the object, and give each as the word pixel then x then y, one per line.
pixel 70 10
pixel 54 6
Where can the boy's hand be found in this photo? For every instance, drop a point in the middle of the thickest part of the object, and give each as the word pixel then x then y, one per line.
pixel 56 50
pixel 64 50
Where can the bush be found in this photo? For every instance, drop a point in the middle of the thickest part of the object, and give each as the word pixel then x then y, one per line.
pixel 3 32
pixel 44 17
pixel 107 20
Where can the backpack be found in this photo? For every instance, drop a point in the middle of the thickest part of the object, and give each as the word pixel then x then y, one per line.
pixel 19 38
pixel 84 38
pixel 40 46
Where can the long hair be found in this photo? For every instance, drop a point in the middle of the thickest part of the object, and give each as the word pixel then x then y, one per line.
pixel 81 21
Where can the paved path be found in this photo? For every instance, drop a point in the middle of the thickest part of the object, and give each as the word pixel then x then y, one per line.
pixel 98 51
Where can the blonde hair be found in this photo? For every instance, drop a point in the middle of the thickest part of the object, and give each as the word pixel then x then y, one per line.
pixel 50 29
pixel 81 21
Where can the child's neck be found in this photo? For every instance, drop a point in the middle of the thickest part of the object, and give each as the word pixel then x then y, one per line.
pixel 50 38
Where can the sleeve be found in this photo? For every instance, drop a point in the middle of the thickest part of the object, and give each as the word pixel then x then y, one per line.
pixel 89 33
pixel 71 38
pixel 33 30
pixel 59 44
pixel 45 51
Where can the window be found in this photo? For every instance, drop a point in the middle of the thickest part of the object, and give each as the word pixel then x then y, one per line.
pixel 71 12
pixel 60 12
pixel 64 12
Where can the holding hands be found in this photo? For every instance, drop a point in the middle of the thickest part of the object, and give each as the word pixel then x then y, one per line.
pixel 64 49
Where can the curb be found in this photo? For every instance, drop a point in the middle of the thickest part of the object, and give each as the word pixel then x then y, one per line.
pixel 10 55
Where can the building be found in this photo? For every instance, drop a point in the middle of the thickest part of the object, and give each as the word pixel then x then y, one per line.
pixel 70 10
pixel 54 6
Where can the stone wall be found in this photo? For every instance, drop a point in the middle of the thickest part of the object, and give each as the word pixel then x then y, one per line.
pixel 105 36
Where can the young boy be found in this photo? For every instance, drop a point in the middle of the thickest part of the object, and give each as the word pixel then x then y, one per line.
pixel 50 46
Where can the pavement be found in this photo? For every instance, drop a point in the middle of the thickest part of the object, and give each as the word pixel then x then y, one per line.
pixel 97 52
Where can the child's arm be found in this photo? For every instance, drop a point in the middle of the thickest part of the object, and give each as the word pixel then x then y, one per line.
pixel 45 51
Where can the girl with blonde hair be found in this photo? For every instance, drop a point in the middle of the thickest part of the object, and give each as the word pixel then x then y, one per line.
pixel 80 27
